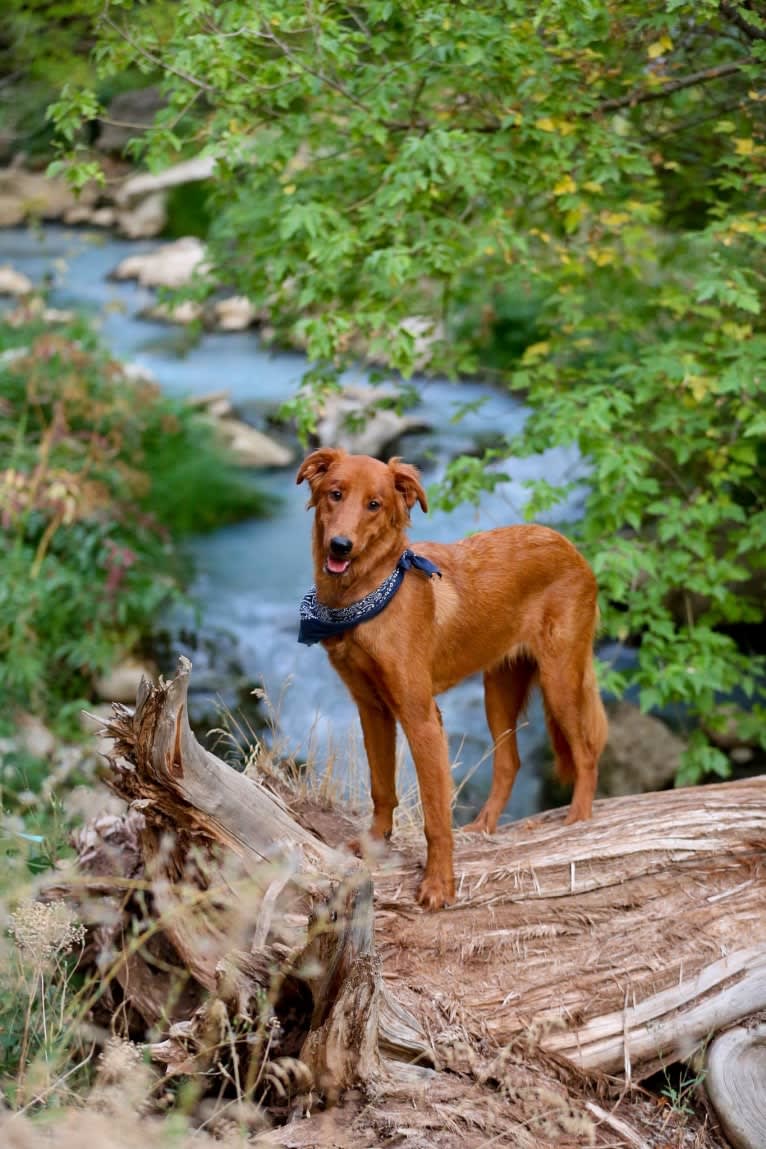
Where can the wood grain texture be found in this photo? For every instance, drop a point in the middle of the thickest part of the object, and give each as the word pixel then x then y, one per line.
pixel 736 1084
pixel 625 941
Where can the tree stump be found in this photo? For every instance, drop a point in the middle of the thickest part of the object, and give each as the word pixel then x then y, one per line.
pixel 241 946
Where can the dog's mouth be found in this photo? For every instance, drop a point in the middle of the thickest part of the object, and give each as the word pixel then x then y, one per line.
pixel 336 566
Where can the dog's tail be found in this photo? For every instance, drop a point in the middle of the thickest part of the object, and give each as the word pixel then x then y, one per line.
pixel 594 718
pixel 593 727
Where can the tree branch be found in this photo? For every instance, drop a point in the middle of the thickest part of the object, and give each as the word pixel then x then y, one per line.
pixel 695 121
pixel 732 12
pixel 645 96
pixel 156 60
pixel 639 96
pixel 336 86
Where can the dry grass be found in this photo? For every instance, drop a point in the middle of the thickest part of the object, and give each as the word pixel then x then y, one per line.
pixel 335 776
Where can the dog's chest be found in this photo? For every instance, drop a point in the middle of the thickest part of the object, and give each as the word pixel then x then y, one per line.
pixel 359 669
pixel 348 656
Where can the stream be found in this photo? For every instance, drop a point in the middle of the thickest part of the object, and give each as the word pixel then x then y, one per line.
pixel 249 578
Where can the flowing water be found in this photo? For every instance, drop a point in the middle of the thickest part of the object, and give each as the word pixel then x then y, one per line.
pixel 250 577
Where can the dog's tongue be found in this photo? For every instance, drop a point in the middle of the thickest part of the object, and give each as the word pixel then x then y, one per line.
pixel 337 566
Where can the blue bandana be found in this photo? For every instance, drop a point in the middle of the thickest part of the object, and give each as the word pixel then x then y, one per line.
pixel 319 621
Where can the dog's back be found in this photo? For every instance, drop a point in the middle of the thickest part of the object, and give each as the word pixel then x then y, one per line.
pixel 510 592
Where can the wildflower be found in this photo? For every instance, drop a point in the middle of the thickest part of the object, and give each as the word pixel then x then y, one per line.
pixel 44 930
pixel 124 1080
pixel 118 1059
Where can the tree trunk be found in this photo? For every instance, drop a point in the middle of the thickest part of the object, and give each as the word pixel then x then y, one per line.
pixel 249 948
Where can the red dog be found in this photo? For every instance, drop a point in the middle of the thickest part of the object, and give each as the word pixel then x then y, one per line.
pixel 518 603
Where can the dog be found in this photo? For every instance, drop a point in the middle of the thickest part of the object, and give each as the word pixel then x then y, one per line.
pixel 517 603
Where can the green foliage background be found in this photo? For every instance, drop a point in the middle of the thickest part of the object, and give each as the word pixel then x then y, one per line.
pixel 570 194
pixel 102 477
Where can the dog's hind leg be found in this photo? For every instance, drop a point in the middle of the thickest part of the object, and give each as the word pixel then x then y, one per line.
pixel 506 689
pixel 577 725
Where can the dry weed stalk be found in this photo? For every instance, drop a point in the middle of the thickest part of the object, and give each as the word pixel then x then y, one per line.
pixel 44 933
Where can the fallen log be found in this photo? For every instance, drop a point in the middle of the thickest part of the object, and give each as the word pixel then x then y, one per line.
pixel 626 941
pixel 245 948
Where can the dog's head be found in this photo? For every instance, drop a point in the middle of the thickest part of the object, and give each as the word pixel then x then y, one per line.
pixel 362 506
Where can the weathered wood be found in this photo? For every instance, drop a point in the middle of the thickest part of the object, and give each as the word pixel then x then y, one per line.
pixel 271 925
pixel 616 946
pixel 625 941
pixel 736 1084
pixel 155 747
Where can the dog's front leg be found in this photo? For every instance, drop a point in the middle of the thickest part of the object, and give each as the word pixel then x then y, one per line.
pixel 379 730
pixel 423 728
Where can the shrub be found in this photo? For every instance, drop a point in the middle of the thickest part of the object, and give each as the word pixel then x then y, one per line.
pixel 102 476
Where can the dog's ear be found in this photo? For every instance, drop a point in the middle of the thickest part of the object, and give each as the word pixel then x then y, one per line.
pixel 408 484
pixel 318 463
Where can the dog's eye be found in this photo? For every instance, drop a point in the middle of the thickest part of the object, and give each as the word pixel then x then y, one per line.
pixel 336 496
pixel 373 505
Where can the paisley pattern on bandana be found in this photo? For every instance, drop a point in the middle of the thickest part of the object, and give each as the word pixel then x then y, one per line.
pixel 319 621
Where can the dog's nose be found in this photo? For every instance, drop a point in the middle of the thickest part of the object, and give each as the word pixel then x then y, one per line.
pixel 340 546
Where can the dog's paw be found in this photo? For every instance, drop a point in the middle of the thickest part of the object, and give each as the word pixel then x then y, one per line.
pixel 368 846
pixel 483 823
pixel 436 891
pixel 577 814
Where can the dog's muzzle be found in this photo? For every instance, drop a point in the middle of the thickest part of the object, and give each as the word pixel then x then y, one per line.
pixel 338 560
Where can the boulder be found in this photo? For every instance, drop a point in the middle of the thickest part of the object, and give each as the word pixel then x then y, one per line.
pixel 216 403
pixel 425 333
pixel 33 736
pixel 641 753
pixel 121 683
pixel 350 419
pixel 149 183
pixel 235 313
pixel 251 447
pixel 730 736
pixel 24 193
pixel 90 216
pixel 12 353
pixel 146 219
pixel 12 211
pixel 33 307
pixel 13 282
pixel 78 213
pixel 182 313
pixel 171 265
pixel 129 115
pixel 137 373
pixel 103 217
pixel 58 315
